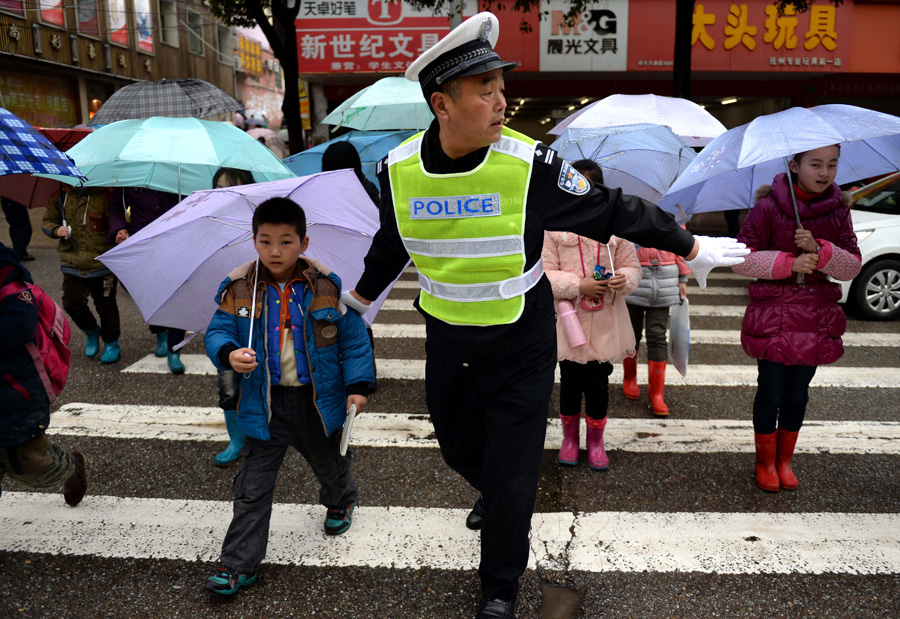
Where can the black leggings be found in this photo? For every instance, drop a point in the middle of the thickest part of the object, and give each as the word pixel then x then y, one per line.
pixel 781 396
pixel 657 320
pixel 590 379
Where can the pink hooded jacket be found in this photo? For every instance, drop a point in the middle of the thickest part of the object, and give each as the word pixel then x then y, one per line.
pixel 609 334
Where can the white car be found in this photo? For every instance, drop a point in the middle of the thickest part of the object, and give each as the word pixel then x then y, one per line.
pixel 875 292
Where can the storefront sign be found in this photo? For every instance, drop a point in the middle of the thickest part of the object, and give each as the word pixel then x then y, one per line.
pixel 596 40
pixel 88 21
pixel 118 23
pixel 144 25
pixel 746 36
pixel 13 6
pixel 364 36
pixel 52 12
pixel 250 54
pixel 42 100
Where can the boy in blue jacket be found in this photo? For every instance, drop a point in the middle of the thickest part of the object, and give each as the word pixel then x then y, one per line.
pixel 307 365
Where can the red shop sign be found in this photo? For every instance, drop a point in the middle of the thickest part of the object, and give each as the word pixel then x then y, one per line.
pixel 363 36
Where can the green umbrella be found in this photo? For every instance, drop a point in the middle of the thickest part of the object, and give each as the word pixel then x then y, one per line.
pixel 389 103
pixel 177 155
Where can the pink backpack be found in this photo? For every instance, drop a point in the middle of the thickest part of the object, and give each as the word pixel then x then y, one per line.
pixel 49 351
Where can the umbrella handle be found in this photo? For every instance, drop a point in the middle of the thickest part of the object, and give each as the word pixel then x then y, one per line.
pixel 252 310
pixel 801 278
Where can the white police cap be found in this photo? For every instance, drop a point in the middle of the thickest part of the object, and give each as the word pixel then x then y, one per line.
pixel 467 50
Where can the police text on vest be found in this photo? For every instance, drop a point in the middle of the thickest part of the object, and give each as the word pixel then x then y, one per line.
pixel 453 207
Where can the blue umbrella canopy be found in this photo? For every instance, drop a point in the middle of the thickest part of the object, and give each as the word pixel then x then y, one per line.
pixel 642 160
pixel 177 155
pixel 24 150
pixel 728 171
pixel 371 146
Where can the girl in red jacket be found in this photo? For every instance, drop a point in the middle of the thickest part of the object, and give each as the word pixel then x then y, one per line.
pixel 792 328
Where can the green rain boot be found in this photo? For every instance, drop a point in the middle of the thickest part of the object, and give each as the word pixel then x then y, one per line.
pixel 162 344
pixel 111 352
pixel 92 343
pixel 175 364
pixel 233 450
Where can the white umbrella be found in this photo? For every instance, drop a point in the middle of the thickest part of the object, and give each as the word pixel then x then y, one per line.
pixel 727 173
pixel 641 160
pixel 389 103
pixel 689 121
pixel 173 267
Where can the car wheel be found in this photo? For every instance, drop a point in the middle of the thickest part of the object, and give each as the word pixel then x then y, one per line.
pixel 876 290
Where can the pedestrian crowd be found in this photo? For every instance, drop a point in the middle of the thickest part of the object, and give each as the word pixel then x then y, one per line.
pixel 293 356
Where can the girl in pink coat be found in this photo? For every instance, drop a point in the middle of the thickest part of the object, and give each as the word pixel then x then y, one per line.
pixel 791 328
pixel 569 262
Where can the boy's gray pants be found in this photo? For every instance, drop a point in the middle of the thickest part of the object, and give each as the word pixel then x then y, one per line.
pixel 296 423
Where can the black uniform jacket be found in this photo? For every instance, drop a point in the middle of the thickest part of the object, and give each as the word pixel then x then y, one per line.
pixel 597 214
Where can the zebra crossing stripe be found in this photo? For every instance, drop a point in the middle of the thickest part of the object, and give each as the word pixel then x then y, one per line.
pixel 740 291
pixel 728 311
pixel 698 375
pixel 415 537
pixel 389 430
pixel 698 336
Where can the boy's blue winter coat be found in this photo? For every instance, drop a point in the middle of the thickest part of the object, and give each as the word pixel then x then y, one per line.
pixel 337 349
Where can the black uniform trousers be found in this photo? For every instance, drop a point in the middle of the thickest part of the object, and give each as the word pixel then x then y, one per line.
pixel 489 408
pixel 296 423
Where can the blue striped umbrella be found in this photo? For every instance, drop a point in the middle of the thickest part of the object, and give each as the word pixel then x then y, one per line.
pixel 23 150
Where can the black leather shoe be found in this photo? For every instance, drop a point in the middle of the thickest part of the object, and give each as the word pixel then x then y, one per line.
pixel 496 609
pixel 476 517
pixel 26 257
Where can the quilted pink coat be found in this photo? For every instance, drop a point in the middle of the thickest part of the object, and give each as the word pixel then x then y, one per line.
pixel 610 336
pixel 785 322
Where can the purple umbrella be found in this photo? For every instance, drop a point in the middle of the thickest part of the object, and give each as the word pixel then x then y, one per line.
pixel 173 267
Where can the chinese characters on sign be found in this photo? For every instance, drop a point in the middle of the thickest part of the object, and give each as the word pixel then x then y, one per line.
pixel 595 40
pixel 375 36
pixel 250 54
pixel 800 40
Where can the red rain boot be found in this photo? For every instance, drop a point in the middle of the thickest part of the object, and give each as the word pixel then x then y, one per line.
pixel 657 372
pixel 629 383
pixel 568 454
pixel 597 458
pixel 766 475
pixel 783 454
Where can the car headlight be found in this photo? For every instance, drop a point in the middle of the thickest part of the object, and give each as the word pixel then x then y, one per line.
pixel 862 235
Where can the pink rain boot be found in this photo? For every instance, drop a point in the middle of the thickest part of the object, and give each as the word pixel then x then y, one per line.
pixel 568 455
pixel 597 458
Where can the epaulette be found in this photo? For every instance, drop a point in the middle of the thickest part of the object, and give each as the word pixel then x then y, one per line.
pixel 381 165
pixel 543 153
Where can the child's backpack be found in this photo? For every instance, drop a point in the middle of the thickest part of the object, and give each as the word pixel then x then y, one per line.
pixel 49 351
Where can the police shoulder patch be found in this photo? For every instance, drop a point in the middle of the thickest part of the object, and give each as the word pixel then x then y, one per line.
pixel 572 181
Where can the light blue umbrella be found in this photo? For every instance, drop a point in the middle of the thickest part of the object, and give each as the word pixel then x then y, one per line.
pixel 389 103
pixel 177 155
pixel 727 173
pixel 642 160
pixel 372 146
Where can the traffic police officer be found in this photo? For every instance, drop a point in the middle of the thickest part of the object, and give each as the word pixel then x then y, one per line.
pixel 469 200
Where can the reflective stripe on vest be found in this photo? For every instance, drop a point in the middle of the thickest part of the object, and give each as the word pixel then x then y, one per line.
pixel 464 231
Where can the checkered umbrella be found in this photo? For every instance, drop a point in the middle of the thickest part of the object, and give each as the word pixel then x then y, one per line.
pixel 184 98
pixel 24 150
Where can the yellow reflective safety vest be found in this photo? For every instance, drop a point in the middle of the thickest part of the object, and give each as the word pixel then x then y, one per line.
pixel 464 231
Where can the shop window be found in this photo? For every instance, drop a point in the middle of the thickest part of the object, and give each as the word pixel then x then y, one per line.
pixel 195 30
pixel 168 34
pixel 225 43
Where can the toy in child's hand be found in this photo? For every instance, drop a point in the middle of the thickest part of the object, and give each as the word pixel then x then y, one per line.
pixel 601 273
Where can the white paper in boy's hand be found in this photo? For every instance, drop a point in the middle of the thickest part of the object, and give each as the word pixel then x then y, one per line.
pixel 348 426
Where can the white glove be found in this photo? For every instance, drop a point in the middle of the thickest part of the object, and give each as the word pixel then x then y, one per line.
pixel 715 252
pixel 348 300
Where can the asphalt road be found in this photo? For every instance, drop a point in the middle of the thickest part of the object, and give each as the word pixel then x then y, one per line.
pixel 39 584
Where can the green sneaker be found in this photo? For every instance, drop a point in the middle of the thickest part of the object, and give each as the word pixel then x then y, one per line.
pixel 227 582
pixel 338 520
